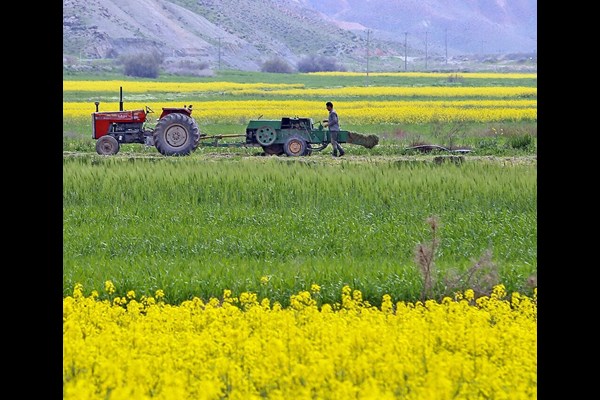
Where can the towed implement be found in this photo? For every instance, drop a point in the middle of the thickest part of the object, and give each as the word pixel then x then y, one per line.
pixel 176 133
pixel 298 136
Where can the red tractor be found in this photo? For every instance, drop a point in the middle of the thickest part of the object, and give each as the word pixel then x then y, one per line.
pixel 175 132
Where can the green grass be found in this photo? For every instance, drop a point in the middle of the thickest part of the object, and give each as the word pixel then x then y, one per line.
pixel 195 226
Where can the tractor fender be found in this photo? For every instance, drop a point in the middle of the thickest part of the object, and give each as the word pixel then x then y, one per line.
pixel 171 110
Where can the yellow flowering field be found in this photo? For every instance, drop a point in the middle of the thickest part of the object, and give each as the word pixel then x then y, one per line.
pixel 389 103
pixel 466 75
pixel 403 91
pixel 297 89
pixel 249 348
pixel 178 87
pixel 359 111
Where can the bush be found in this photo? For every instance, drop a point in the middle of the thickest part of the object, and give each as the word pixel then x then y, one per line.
pixel 277 65
pixel 520 141
pixel 319 63
pixel 143 65
pixel 186 67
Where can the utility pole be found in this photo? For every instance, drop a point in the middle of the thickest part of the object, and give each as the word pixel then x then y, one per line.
pixel 368 32
pixel 426 50
pixel 219 53
pixel 446 43
pixel 405 33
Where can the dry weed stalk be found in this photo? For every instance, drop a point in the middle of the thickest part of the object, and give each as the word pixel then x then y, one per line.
pixel 424 255
pixel 481 277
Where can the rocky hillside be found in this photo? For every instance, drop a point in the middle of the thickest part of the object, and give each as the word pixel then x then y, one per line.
pixel 238 34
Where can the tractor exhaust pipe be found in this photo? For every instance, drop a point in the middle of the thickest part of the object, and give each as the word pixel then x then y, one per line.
pixel 121 98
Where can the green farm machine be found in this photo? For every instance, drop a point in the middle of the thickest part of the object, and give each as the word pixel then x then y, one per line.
pixel 176 133
pixel 298 136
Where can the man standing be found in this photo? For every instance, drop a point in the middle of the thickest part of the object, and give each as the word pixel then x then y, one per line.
pixel 334 129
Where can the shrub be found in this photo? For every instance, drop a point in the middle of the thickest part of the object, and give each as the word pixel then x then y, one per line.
pixel 187 67
pixel 319 63
pixel 143 65
pixel 277 65
pixel 520 141
pixel 455 78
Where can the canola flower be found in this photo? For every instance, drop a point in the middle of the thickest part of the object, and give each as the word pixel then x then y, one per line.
pixel 402 91
pixel 248 348
pixel 467 75
pixel 360 111
pixel 295 90
pixel 179 87
pixel 283 88
pixel 360 105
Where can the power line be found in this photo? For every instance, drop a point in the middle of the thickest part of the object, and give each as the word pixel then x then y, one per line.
pixel 219 52
pixel 405 33
pixel 426 50
pixel 446 43
pixel 368 32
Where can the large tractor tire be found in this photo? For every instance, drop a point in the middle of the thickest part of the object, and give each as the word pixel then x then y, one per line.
pixel 295 146
pixel 107 145
pixel 176 135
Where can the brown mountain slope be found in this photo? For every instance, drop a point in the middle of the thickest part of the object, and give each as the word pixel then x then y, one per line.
pixel 241 34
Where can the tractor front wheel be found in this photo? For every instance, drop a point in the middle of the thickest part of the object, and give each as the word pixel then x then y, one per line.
pixel 176 135
pixel 107 145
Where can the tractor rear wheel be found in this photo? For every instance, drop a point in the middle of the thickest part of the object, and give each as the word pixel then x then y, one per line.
pixel 176 135
pixel 295 146
pixel 107 145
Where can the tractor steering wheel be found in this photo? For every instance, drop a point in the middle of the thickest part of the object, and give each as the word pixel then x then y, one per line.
pixel 149 110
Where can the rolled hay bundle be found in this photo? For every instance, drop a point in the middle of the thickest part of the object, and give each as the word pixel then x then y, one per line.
pixel 368 141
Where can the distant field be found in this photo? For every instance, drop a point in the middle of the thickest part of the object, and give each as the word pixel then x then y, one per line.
pixel 224 218
pixel 492 114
